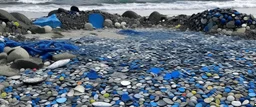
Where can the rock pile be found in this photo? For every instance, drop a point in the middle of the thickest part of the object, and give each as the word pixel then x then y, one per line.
pixel 226 21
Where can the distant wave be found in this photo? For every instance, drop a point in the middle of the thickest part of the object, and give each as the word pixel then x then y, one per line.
pixel 40 5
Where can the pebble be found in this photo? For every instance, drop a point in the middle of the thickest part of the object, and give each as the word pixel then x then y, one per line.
pixel 236 103
pixel 168 101
pixel 61 100
pixel 230 98
pixel 79 88
pixel 125 83
pixel 208 100
pixel 101 104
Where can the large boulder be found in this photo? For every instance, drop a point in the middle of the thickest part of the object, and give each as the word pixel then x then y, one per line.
pixel 130 14
pixel 17 53
pixel 6 17
pixel 155 17
pixel 21 18
pixel 74 9
pixel 27 63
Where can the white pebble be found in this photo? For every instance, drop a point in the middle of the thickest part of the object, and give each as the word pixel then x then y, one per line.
pixel 123 23
pixel 244 25
pixel 245 102
pixel 230 98
pixel 29 32
pixel 3 24
pixel 125 83
pixel 117 25
pixel 236 103
pixel 47 63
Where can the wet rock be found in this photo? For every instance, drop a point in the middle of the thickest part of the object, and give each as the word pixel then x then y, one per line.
pixel 3 58
pixel 34 80
pixel 27 63
pixel 21 18
pixel 17 53
pixel 7 71
pixel 155 17
pixel 108 23
pixel 36 29
pixel 130 14
pixel 63 56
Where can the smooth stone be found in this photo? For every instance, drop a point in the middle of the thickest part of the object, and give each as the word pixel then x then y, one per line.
pixel 27 63
pixel 63 56
pixel 236 103
pixel 101 104
pixel 48 29
pixel 230 25
pixel 161 103
pixel 245 102
pixel 123 23
pixel 61 100
pixel 15 77
pixel 17 53
pixel 241 30
pixel 108 23
pixel 203 21
pixel 208 100
pixel 3 24
pixel 130 14
pixel 230 98
pixel 80 89
pixel 125 83
pixel 244 25
pixel 2 87
pixel 88 26
pixel 3 58
pixel 117 25
pixel 7 71
pixel 71 93
pixel 33 80
pixel 168 101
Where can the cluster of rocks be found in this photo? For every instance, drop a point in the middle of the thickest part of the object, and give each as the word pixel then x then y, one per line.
pixel 16 24
pixel 225 21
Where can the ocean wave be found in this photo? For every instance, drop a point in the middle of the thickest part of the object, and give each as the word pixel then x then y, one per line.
pixel 178 5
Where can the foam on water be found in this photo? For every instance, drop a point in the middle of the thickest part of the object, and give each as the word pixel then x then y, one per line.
pixel 179 5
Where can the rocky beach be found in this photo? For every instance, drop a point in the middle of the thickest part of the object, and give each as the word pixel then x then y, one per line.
pixel 93 58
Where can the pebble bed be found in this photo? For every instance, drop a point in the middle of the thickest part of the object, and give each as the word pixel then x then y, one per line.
pixel 156 68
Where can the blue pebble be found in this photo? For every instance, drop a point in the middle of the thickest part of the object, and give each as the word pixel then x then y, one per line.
pixel 237 13
pixel 175 74
pixel 92 75
pixel 230 18
pixel 152 97
pixel 168 76
pixel 248 105
pixel 252 94
pixel 205 69
pixel 199 105
pixel 125 97
pixel 223 21
pixel 227 89
pixel 181 89
pixel 238 23
pixel 61 100
pixel 154 104
pixel 155 70
pixel 251 91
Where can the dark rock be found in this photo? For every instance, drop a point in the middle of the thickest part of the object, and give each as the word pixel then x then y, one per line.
pixel 60 10
pixel 63 56
pixel 21 18
pixel 230 25
pixel 74 9
pixel 36 29
pixel 6 17
pixel 130 14
pixel 155 17
pixel 17 53
pixel 27 63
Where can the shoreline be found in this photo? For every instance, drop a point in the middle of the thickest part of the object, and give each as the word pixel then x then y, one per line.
pixel 169 13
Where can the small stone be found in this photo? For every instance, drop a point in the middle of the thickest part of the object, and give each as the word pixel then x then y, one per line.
pixel 47 63
pixel 61 100
pixel 161 103
pixel 48 29
pixel 168 101
pixel 244 25
pixel 245 102
pixel 208 100
pixel 29 32
pixel 108 23
pixel 117 25
pixel 123 23
pixel 236 103
pixel 241 30
pixel 106 95
pixel 15 77
pixel 101 104
pixel 34 80
pixel 88 26
pixel 80 89
pixel 125 83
